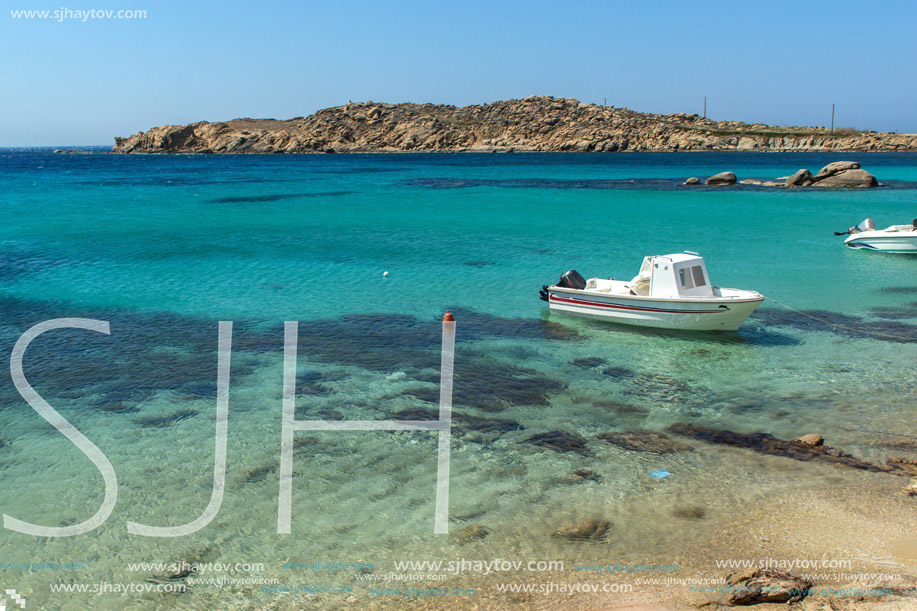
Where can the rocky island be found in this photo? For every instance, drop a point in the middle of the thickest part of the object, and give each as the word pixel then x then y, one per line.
pixel 533 124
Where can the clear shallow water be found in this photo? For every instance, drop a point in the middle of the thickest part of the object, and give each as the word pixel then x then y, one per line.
pixel 163 247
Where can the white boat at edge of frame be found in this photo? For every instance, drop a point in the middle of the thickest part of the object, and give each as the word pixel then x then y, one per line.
pixel 901 239
pixel 670 292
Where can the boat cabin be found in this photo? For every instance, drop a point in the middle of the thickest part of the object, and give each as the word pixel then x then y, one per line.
pixel 673 276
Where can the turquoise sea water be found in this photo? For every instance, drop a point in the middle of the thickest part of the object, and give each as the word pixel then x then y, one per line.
pixel 164 247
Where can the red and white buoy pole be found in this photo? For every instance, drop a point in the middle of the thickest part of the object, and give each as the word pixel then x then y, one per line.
pixel 441 522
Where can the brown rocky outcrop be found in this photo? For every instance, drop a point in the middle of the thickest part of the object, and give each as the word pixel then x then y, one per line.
pixel 849 179
pixel 802 178
pixel 588 530
pixel 536 123
pixel 755 586
pixel 836 167
pixel 812 439
pixel 723 178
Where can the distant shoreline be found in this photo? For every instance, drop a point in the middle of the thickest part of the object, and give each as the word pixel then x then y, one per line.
pixel 107 149
pixel 537 124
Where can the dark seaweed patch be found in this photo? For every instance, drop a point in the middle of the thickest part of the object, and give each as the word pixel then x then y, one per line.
pixel 560 441
pixel 546 183
pixel 492 386
pixel 312 412
pixel 167 420
pixel 764 443
pixel 200 389
pixel 16 263
pixel 896 312
pixel 118 407
pixel 477 263
pixel 463 422
pixel 363 170
pixel 393 342
pixel 651 442
pixel 900 290
pixel 174 181
pixel 310 383
pixel 258 473
pixel 126 368
pixel 834 322
pixel 477 325
pixel 620 408
pixel 273 197
pixel 588 362
pixel 618 373
pixel 123 368
pixel 664 389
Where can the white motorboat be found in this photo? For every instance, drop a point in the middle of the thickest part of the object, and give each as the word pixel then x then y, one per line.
pixel 897 238
pixel 670 292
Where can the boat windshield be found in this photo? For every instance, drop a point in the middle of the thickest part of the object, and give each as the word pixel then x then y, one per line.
pixel 691 277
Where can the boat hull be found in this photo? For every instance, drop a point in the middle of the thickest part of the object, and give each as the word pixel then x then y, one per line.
pixel 884 243
pixel 726 314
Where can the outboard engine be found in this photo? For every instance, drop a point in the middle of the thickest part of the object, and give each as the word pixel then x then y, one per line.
pixel 572 280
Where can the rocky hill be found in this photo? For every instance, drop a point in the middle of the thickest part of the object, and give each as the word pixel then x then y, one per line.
pixel 536 123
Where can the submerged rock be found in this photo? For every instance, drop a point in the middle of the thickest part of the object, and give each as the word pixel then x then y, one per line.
pixel 588 362
pixel 723 178
pixel 691 512
pixel 587 474
pixel 768 444
pixel 259 473
pixel 640 440
pixel 812 439
pixel 755 586
pixel 183 568
pixel 589 530
pixel 560 441
pixel 467 534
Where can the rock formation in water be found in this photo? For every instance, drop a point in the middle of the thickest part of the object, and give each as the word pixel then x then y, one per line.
pixel 536 123
pixel 847 174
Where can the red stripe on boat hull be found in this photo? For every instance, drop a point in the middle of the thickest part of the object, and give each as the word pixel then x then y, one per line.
pixel 635 308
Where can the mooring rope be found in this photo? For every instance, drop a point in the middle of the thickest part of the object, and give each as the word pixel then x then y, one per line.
pixel 840 326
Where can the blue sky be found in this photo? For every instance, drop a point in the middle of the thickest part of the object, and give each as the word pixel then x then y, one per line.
pixel 74 82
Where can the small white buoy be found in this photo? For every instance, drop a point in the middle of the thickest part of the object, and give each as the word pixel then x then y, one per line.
pixel 385 274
